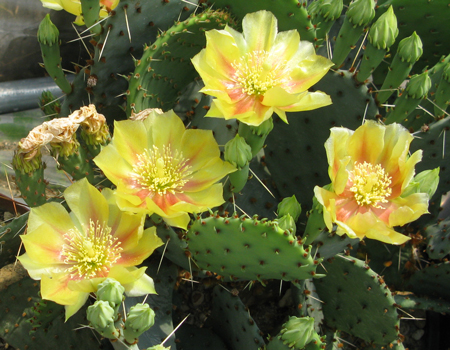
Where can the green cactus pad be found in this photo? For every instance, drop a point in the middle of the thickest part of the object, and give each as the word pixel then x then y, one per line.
pixel 358 301
pixel 432 281
pixel 231 320
pixel 10 241
pixel 438 239
pixel 434 141
pixel 165 67
pixel 413 302
pixel 16 307
pixel 301 142
pixel 193 338
pixel 32 186
pixel 247 248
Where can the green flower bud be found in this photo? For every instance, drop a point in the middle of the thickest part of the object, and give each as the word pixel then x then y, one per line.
pixel 287 222
pixel 424 182
pixel 140 318
pixel 298 332
pixel 361 12
pixel 238 152
pixel 264 128
pixel 313 8
pixel 291 206
pixel 410 48
pixel 47 33
pixel 418 86
pixel 101 317
pixel 331 9
pixel 383 32
pixel 111 291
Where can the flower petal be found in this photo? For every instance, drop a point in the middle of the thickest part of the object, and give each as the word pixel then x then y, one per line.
pixel 142 286
pixel 147 244
pixel 113 164
pixel 56 289
pixel 87 203
pixel 260 30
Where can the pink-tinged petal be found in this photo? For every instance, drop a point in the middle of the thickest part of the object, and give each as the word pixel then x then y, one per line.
pixel 52 214
pixel 367 142
pixel 221 54
pixel 212 171
pixel 44 244
pixel 142 286
pixel 308 101
pixel 341 177
pixel 130 147
pixel 307 73
pixel 147 244
pixel 56 289
pixel 114 166
pixel 199 147
pixel 197 202
pixel 166 129
pixel 260 30
pixel 87 203
pixel 129 230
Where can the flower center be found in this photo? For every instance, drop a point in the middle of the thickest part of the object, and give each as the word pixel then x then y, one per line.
pixel 254 74
pixel 370 184
pixel 162 171
pixel 91 254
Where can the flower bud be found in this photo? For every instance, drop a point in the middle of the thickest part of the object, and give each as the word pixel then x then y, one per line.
pixel 298 332
pixel 410 48
pixel 418 86
pixel 101 316
pixel 446 72
pixel 383 32
pixel 111 291
pixel 361 12
pixel 287 222
pixel 140 318
pixel 331 9
pixel 289 205
pixel 158 347
pixel 47 33
pixel 238 152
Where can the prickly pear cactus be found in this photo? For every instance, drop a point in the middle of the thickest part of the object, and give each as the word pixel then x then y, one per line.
pixel 243 145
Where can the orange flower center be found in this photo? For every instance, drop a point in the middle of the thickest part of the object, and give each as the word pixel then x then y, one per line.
pixel 91 254
pixel 370 184
pixel 161 171
pixel 254 75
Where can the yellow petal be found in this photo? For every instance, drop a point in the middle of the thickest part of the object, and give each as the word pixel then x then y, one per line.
pixel 147 244
pixel 53 214
pixel 409 209
pixel 199 147
pixel 87 203
pixel 308 72
pixel 214 170
pixel 43 244
pixel 115 166
pixel 142 286
pixel 72 309
pixel 165 129
pixel 367 142
pixel 308 101
pixel 56 289
pixel 180 221
pixel 129 147
pixel 260 30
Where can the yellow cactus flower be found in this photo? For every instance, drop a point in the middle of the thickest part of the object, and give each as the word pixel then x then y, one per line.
pixel 74 7
pixel 260 71
pixel 160 167
pixel 369 170
pixel 72 253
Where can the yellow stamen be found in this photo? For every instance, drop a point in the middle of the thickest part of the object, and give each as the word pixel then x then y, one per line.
pixel 255 75
pixel 162 171
pixel 370 184
pixel 91 254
